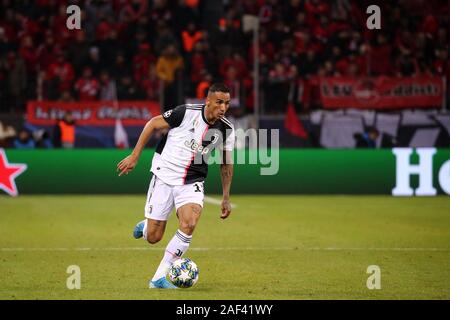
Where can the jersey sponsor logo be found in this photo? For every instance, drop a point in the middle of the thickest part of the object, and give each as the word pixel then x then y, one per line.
pixel 195 146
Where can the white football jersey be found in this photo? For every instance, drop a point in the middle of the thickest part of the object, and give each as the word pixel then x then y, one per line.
pixel 181 155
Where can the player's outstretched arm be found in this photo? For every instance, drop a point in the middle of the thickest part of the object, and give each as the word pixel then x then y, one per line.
pixel 226 174
pixel 128 164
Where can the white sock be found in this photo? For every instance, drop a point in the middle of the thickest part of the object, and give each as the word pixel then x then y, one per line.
pixel 174 250
pixel 144 231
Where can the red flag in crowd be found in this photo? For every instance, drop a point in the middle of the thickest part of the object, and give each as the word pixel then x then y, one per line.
pixel 120 135
pixel 292 124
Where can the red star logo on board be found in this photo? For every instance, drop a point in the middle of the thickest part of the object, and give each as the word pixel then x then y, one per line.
pixel 8 174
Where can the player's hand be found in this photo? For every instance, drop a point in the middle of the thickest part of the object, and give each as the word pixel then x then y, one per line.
pixel 226 208
pixel 126 165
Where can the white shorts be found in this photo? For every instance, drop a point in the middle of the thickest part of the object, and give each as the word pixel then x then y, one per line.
pixel 162 198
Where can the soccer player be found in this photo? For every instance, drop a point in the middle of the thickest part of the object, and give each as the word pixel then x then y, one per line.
pixel 179 168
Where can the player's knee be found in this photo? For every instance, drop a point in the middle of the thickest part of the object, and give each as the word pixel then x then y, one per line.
pixel 189 218
pixel 153 238
pixel 188 226
pixel 196 209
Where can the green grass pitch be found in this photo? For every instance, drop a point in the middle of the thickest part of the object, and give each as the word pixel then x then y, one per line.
pixel 271 247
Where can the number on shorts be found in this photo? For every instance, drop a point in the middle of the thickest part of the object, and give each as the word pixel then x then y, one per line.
pixel 197 187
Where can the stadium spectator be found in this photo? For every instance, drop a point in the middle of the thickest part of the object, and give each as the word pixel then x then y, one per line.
pixel 120 67
pixel 169 64
pixel 185 12
pixel 278 89
pixel 127 89
pixel 60 76
pixel 265 47
pixel 367 139
pixel 42 139
pixel 237 62
pixel 165 37
pixel 96 10
pixel 5 44
pixel 58 26
pixel 104 28
pixel 46 51
pixel 7 132
pixel 94 61
pixel 190 37
pixel 441 39
pixel 66 96
pixel 107 87
pixel 28 53
pixel 230 33
pixel 441 66
pixel 442 63
pixel 150 84
pixel 15 80
pixel 198 63
pixel 24 140
pixel 134 9
pixel 78 50
pixel 142 61
pixel 380 55
pixel 203 86
pixel 110 47
pixel 233 82
pixel 87 86
pixel 64 132
pixel 406 65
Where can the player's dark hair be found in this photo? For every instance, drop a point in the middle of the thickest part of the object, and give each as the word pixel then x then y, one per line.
pixel 219 87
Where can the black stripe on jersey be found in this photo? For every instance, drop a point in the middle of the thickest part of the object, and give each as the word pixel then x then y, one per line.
pixel 153 187
pixel 175 116
pixel 196 173
pixel 203 115
pixel 161 144
pixel 227 122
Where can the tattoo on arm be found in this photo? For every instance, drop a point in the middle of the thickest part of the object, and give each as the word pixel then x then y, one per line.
pixel 226 172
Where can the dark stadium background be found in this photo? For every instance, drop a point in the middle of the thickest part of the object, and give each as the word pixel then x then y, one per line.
pixel 125 43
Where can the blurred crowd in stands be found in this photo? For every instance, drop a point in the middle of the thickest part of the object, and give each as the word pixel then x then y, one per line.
pixel 167 50
pixel 61 135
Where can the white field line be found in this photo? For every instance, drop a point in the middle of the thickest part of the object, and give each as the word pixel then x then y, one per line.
pixel 216 201
pixel 226 249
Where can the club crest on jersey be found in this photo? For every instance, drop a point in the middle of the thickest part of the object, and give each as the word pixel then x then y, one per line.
pixel 215 138
pixel 195 146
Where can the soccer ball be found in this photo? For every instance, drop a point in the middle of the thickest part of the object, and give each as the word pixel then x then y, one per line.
pixel 183 273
